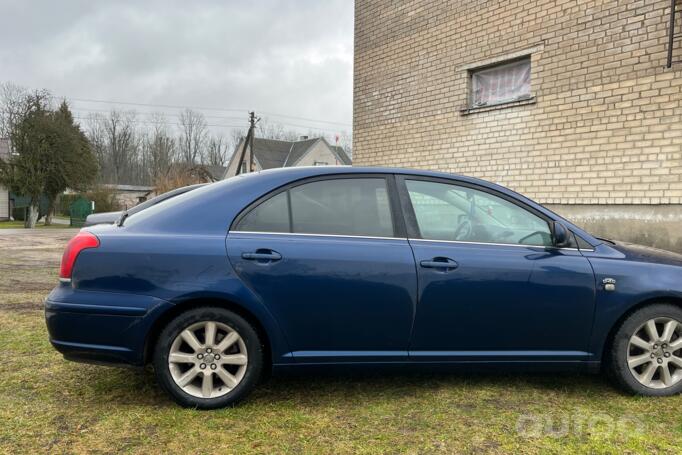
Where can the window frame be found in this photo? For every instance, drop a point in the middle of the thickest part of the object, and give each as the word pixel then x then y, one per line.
pixel 498 64
pixel 394 205
pixel 412 225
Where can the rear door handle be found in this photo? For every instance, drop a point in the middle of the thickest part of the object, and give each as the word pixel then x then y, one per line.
pixel 440 263
pixel 262 256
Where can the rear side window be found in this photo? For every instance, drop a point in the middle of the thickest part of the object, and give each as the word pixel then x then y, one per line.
pixel 358 207
pixel 343 206
pixel 270 216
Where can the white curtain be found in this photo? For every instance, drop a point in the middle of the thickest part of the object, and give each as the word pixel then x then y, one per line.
pixel 501 84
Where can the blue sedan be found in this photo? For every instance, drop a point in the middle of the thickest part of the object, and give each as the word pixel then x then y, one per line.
pixel 295 267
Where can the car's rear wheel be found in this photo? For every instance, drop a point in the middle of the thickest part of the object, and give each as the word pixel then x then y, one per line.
pixel 208 358
pixel 646 354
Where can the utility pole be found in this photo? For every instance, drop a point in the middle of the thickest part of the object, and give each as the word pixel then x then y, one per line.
pixel 248 141
pixel 252 128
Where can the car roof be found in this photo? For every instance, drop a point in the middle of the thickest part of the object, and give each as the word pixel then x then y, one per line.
pixel 303 172
pixel 312 171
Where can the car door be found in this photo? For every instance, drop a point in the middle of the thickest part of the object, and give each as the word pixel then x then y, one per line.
pixel 330 259
pixel 491 284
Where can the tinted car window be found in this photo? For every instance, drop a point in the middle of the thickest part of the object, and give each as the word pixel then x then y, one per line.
pixel 337 206
pixel 451 212
pixel 270 216
pixel 342 206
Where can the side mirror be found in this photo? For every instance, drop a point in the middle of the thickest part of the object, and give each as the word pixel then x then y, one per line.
pixel 560 235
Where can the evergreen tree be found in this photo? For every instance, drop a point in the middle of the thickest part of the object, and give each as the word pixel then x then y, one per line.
pixel 73 163
pixel 51 154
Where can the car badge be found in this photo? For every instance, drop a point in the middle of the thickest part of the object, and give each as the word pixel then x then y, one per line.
pixel 609 284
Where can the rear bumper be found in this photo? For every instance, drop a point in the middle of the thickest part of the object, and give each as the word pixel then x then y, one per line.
pixel 100 327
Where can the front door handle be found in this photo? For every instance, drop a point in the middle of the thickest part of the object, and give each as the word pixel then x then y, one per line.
pixel 262 255
pixel 440 263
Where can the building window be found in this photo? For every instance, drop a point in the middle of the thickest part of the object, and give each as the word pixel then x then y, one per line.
pixel 501 83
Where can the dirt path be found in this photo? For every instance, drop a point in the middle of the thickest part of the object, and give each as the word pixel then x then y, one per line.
pixel 29 264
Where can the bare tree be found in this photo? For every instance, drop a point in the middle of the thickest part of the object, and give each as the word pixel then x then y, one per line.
pixel 115 142
pixel 218 151
pixel 12 107
pixel 193 136
pixel 97 136
pixel 159 148
pixel 274 130
pixel 16 103
pixel 346 142
pixel 236 135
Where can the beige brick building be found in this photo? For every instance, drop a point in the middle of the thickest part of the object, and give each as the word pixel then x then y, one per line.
pixel 568 102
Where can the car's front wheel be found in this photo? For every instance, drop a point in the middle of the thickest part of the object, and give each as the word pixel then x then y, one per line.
pixel 208 358
pixel 646 353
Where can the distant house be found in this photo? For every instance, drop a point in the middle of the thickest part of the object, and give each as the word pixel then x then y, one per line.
pixel 130 195
pixel 5 209
pixel 214 172
pixel 270 153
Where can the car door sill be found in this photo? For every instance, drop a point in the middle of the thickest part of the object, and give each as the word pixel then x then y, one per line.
pixel 349 356
pixel 504 356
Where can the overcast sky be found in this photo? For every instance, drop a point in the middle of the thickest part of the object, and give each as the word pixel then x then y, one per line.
pixel 290 57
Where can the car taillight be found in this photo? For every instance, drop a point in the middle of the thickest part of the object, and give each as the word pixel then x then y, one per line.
pixel 80 242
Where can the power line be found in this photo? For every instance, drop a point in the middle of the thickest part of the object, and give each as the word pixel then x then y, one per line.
pixel 175 106
pixel 165 114
pixel 95 111
pixel 151 122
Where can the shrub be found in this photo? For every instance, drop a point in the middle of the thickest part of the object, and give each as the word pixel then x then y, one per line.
pixel 105 200
pixel 19 213
pixel 181 175
pixel 64 203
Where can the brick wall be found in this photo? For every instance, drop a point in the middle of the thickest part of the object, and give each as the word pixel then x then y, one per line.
pixel 605 126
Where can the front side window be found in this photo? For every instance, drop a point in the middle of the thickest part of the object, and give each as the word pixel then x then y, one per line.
pixel 458 213
pixel 358 207
pixel 502 83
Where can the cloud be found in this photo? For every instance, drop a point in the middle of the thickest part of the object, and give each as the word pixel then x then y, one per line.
pixel 276 56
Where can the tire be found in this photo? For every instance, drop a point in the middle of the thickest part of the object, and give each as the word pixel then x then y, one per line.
pixel 646 352
pixel 233 362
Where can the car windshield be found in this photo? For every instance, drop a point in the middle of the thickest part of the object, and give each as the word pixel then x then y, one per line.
pixel 162 197
pixel 140 215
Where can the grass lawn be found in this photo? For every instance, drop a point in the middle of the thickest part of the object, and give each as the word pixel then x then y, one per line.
pixel 50 405
pixel 20 225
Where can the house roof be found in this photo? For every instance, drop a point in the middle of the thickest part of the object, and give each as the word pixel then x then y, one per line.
pixel 128 188
pixel 298 149
pixel 215 172
pixel 272 153
pixel 341 154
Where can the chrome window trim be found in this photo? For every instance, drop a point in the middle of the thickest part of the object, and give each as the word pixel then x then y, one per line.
pixel 369 237
pixel 497 244
pixel 397 222
pixel 319 235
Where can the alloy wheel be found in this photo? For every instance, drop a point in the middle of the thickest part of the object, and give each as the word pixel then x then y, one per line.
pixel 655 353
pixel 208 359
